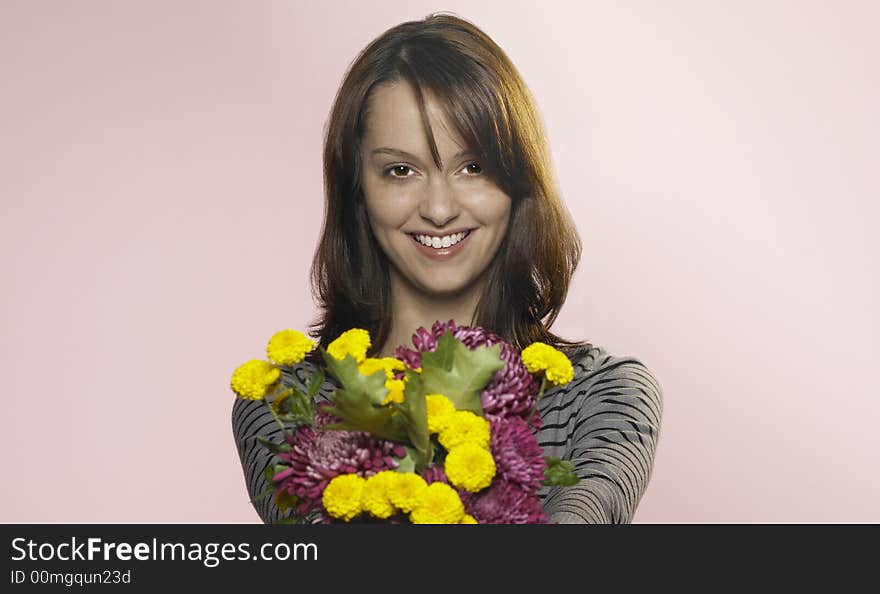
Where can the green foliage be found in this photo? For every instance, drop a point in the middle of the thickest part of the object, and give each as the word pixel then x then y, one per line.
pixel 315 382
pixel 358 403
pixel 559 472
pixel 284 501
pixel 414 411
pixel 293 406
pixel 458 372
pixel 273 447
pixel 271 470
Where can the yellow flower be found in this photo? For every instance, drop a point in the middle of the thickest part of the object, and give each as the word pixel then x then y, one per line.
pixel 536 356
pixel 439 409
pixel 561 372
pixel 371 365
pixel 556 366
pixel 254 379
pixel 395 391
pixel 376 500
pixel 406 490
pixel 343 496
pixel 470 467
pixel 395 387
pixel 439 504
pixel 468 519
pixel 463 427
pixel 288 347
pixel 354 342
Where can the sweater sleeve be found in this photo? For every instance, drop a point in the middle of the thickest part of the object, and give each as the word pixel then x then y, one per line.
pixel 249 419
pixel 611 439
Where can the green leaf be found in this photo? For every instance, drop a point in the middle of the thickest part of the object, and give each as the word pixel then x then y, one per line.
pixel 271 445
pixel 285 501
pixel 415 413
pixel 297 420
pixel 315 382
pixel 273 470
pixel 559 472
pixel 297 408
pixel 358 403
pixel 460 373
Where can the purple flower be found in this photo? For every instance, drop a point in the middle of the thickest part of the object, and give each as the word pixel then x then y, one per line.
pixel 504 503
pixel 435 474
pixel 519 458
pixel 512 390
pixel 320 454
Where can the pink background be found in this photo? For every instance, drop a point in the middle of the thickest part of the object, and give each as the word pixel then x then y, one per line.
pixel 160 178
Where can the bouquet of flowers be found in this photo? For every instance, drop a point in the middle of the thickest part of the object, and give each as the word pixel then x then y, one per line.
pixel 440 433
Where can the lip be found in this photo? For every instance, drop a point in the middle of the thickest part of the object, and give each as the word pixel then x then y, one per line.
pixel 436 234
pixel 443 253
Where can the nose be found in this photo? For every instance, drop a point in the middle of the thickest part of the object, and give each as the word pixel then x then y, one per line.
pixel 439 205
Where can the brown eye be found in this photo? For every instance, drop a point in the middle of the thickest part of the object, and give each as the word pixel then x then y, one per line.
pixel 474 168
pixel 402 170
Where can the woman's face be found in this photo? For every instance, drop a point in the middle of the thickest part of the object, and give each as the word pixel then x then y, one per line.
pixel 456 209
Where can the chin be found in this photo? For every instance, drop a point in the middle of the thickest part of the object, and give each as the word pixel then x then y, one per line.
pixel 445 289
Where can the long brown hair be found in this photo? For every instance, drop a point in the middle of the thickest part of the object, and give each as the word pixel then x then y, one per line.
pixel 486 100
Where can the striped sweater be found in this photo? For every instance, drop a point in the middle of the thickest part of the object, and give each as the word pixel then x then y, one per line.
pixel 606 421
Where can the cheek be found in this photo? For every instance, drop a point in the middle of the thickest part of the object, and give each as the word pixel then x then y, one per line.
pixel 382 210
pixel 493 208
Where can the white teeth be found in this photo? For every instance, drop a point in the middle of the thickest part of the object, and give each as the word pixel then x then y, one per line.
pixel 439 242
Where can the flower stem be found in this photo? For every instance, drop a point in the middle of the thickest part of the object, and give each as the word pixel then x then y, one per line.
pixel 278 420
pixel 538 398
pixel 541 391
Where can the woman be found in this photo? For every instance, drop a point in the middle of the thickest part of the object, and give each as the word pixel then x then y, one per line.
pixel 441 205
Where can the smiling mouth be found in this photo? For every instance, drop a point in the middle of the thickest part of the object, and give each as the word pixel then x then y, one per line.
pixel 439 243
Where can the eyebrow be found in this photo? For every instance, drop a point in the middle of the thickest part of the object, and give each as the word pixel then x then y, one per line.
pixel 399 153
